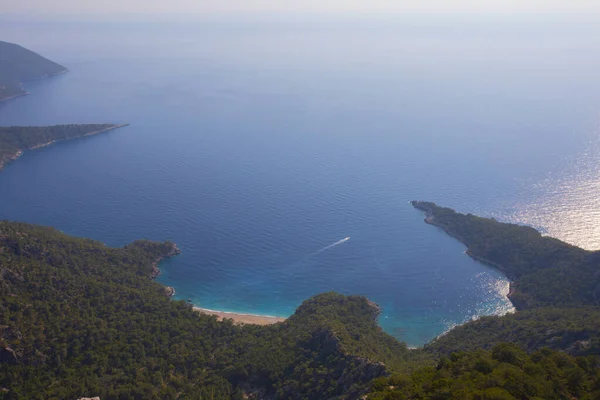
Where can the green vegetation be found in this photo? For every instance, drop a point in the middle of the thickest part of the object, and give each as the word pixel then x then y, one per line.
pixel 16 139
pixel 573 330
pixel 81 319
pixel 545 271
pixel 78 319
pixel 18 64
pixel 504 373
pixel 555 285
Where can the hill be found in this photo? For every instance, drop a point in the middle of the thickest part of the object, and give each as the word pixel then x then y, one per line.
pixel 504 373
pixel 15 140
pixel 572 330
pixel 17 64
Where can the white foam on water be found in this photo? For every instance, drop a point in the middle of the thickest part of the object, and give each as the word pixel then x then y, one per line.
pixel 344 240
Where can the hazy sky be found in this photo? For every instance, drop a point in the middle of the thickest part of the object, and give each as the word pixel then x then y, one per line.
pixel 311 6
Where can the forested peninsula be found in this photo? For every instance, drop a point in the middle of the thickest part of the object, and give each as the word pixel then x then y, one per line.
pixel 544 271
pixel 18 65
pixel 14 140
pixel 555 287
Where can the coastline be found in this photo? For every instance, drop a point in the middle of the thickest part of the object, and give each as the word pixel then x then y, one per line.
pixel 26 93
pixel 240 318
pixel 430 220
pixel 112 128
pixel 15 96
pixel 20 152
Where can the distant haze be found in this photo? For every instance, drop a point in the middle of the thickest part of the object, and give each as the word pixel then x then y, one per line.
pixel 306 6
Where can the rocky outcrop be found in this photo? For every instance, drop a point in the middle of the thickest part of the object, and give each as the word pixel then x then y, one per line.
pixel 169 291
pixel 8 356
pixel 376 308
pixel 172 252
pixel 155 271
pixel 11 158
pixel 352 372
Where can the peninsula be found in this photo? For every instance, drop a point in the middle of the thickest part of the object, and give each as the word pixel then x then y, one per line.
pixel 18 65
pixel 544 271
pixel 14 140
pixel 555 287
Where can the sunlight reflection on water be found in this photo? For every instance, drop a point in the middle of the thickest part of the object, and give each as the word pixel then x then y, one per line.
pixel 567 207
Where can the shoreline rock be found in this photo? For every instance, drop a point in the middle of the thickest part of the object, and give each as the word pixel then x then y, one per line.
pixel 11 158
pixel 169 291
pixel 155 273
pixel 376 308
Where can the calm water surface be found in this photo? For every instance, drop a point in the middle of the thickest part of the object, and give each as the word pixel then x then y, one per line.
pixel 255 146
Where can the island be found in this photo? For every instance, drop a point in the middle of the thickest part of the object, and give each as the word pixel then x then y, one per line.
pixel 18 65
pixel 14 140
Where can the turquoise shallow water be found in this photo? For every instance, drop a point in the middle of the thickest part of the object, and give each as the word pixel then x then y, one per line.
pixel 255 147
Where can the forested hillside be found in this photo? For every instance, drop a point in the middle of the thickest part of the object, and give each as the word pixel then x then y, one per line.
pixel 504 373
pixel 573 330
pixel 16 139
pixel 81 319
pixel 18 64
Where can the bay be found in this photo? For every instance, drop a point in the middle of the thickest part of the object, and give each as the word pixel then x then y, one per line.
pixel 255 146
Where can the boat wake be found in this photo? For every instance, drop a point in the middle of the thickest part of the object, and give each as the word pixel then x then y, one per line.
pixel 344 240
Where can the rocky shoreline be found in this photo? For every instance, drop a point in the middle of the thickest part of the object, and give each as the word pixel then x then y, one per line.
pixel 173 251
pixel 11 159
pixel 112 128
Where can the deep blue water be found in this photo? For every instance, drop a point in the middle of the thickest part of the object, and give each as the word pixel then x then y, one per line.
pixel 253 147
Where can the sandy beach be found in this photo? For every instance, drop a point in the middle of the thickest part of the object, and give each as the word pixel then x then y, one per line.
pixel 241 318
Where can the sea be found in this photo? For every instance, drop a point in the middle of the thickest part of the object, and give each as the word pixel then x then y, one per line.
pixel 281 152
